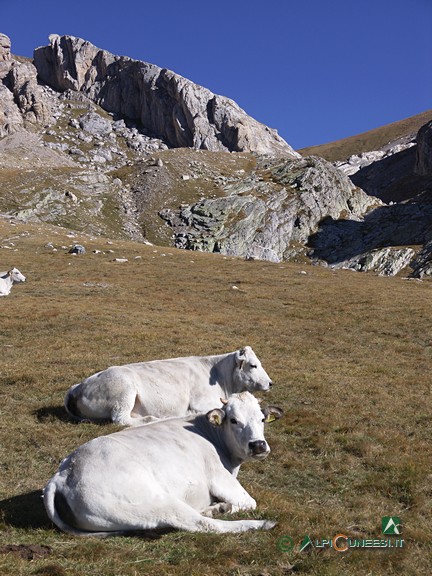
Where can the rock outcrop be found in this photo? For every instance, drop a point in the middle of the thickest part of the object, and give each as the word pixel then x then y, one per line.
pixel 5 53
pixel 22 100
pixel 5 48
pixel 271 213
pixel 422 263
pixel 423 165
pixel 10 116
pixel 29 96
pixel 164 104
pixel 308 207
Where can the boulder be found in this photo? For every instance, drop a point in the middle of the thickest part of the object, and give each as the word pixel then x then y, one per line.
pixel 77 249
pixel 95 124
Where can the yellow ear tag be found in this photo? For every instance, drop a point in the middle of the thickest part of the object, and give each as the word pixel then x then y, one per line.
pixel 270 418
pixel 215 418
pixel 218 420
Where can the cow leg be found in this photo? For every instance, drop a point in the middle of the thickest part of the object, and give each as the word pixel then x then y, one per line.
pixel 184 517
pixel 227 489
pixel 123 413
pixel 128 410
pixel 117 390
pixel 122 409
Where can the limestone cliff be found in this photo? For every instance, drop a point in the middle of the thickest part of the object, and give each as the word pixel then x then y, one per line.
pixel 22 100
pixel 163 103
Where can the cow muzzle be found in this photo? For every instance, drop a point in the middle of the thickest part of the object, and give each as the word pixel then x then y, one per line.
pixel 259 448
pixel 261 387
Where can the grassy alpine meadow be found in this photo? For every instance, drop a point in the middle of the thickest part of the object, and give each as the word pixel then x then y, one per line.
pixel 350 357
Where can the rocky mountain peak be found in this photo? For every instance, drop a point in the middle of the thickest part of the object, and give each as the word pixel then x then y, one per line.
pixel 164 104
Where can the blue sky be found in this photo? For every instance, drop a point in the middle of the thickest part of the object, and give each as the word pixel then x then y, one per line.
pixel 316 70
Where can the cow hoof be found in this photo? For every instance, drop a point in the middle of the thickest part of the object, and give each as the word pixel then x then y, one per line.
pixel 219 508
pixel 268 524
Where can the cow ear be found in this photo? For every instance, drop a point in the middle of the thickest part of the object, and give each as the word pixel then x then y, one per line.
pixel 240 358
pixel 216 416
pixel 272 413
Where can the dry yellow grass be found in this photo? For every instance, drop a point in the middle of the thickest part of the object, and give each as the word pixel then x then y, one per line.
pixel 371 140
pixel 350 357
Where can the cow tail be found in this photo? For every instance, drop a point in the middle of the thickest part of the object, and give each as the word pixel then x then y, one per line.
pixel 60 512
pixel 55 504
pixel 70 403
pixel 217 525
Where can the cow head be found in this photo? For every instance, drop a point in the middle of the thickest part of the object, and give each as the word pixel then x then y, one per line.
pixel 242 422
pixel 16 275
pixel 248 372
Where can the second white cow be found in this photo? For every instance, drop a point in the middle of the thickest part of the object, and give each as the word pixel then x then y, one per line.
pixel 137 393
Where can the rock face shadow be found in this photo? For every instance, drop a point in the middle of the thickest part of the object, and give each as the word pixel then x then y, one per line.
pixel 397 225
pixel 394 179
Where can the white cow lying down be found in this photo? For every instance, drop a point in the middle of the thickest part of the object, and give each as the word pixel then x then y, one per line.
pixel 7 279
pixel 136 393
pixel 172 473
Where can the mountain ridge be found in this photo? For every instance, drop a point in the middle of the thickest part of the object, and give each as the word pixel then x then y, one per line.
pixel 338 150
pixel 165 104
pixel 122 148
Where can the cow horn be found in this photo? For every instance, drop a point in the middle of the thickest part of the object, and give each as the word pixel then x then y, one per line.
pixel 224 402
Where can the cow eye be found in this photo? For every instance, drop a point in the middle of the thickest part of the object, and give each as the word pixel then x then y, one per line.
pixel 233 421
pixel 253 366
